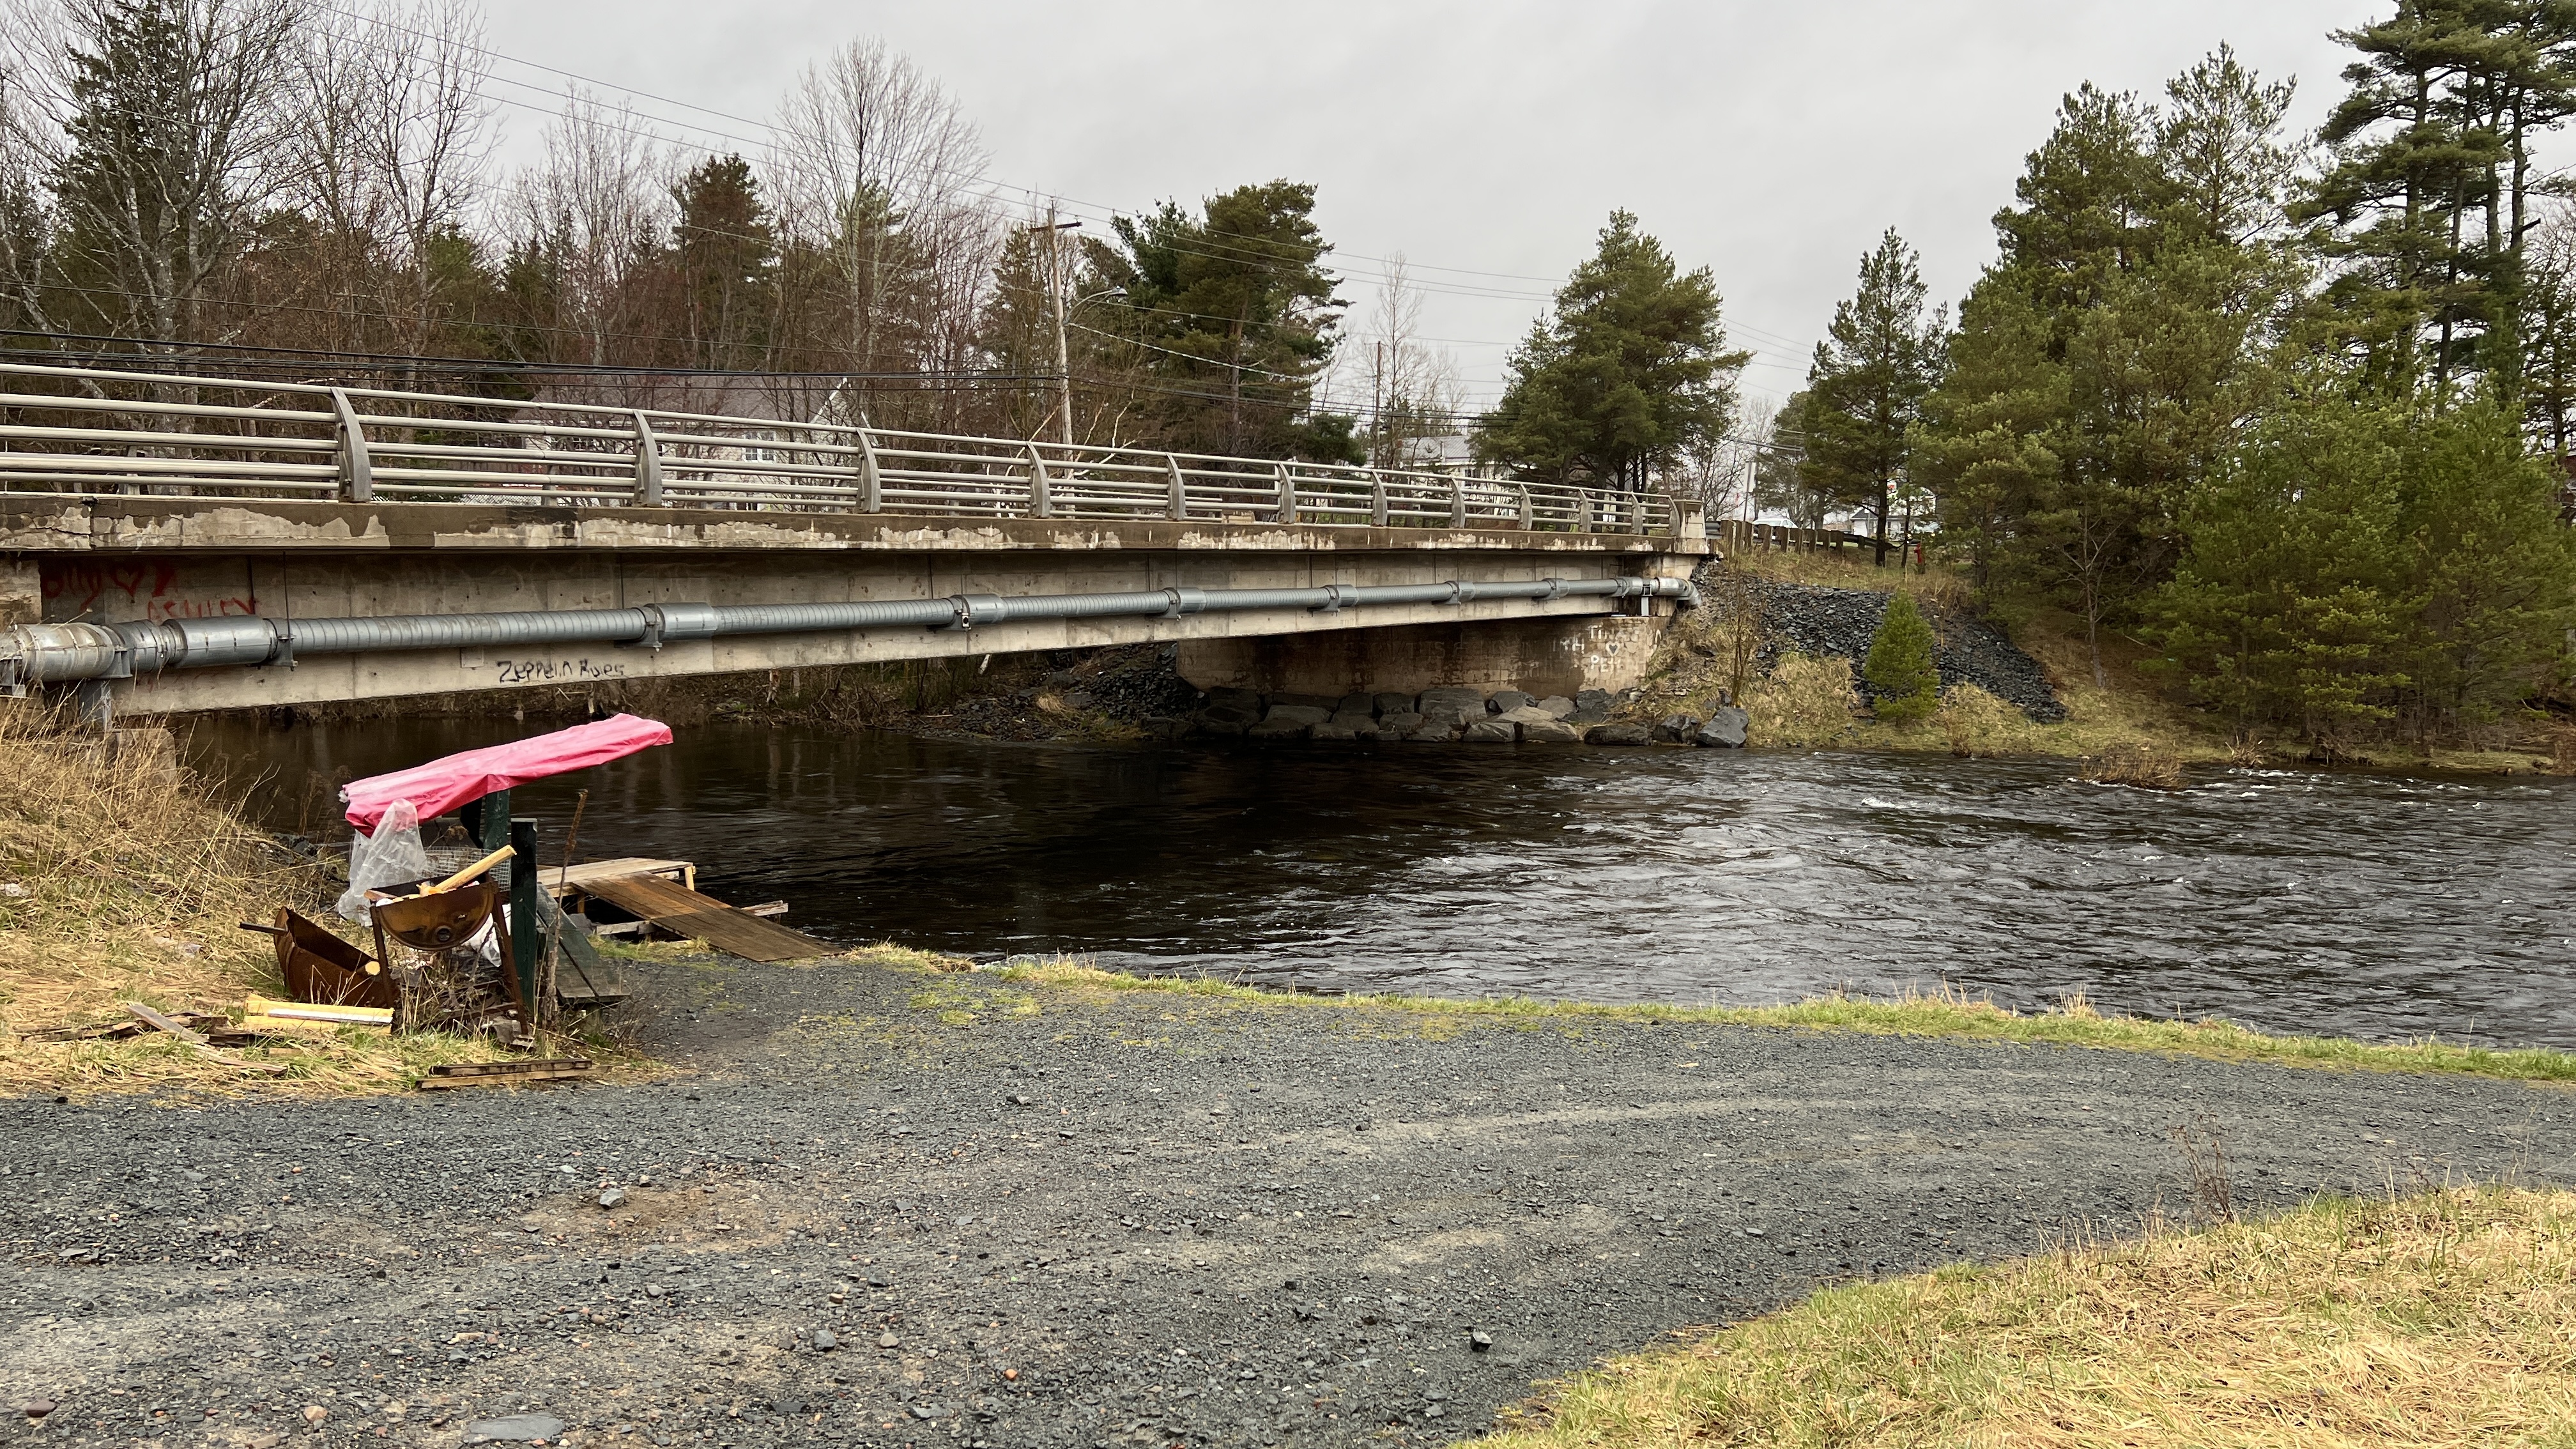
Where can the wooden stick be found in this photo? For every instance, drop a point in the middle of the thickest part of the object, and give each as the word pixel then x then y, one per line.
pixel 469 872
pixel 163 1023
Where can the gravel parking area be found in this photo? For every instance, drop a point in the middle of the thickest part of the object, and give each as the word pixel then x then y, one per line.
pixel 884 1208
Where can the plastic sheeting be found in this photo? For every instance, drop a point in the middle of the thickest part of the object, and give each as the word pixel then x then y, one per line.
pixel 443 784
pixel 390 855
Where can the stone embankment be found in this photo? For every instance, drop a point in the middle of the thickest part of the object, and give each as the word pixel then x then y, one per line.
pixel 1458 716
pixel 1826 623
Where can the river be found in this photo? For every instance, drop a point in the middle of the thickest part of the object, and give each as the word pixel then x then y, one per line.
pixel 2369 905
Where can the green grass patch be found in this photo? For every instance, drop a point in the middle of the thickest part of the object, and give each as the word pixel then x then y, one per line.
pixel 2072 1023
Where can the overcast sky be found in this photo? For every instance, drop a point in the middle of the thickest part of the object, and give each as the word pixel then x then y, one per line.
pixel 1770 142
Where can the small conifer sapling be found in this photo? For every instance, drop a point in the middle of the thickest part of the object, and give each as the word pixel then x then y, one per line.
pixel 1900 671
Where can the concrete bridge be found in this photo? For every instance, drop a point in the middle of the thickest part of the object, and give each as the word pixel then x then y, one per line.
pixel 175 544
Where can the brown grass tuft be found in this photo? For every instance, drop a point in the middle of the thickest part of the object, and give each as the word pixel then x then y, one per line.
pixel 121 880
pixel 1979 724
pixel 2441 1319
pixel 2146 765
pixel 1802 701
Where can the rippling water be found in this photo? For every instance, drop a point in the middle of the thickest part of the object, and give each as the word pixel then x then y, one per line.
pixel 2370 905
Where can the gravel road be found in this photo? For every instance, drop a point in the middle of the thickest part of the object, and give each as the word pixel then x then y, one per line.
pixel 891 1209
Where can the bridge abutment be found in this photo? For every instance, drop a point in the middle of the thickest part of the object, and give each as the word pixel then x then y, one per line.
pixel 1543 656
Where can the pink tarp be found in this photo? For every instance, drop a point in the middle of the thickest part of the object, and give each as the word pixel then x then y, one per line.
pixel 443 784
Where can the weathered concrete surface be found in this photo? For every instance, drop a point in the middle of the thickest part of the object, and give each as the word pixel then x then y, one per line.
pixel 1542 656
pixel 117 559
pixel 1044 1219
pixel 49 523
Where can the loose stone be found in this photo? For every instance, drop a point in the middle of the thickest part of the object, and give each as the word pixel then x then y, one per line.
pixel 1724 730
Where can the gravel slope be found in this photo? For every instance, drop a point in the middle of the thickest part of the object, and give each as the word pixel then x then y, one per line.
pixel 1037 1216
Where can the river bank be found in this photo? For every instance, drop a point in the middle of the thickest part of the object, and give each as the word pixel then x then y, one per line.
pixel 2129 713
pixel 1041 1212
pixel 900 1207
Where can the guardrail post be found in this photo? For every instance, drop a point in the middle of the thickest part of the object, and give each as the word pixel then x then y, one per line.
pixel 1583 513
pixel 1039 504
pixel 357 471
pixel 871 488
pixel 648 464
pixel 1690 518
pixel 1287 495
pixel 1177 508
pixel 1377 498
pixel 1529 510
pixel 1457 502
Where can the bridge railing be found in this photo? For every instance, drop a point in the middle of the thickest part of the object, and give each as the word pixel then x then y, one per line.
pixel 88 430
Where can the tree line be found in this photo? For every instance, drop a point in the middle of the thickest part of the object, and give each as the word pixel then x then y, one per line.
pixel 288 187
pixel 2288 414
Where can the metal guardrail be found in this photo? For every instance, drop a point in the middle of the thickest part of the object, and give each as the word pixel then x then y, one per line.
pixel 307 440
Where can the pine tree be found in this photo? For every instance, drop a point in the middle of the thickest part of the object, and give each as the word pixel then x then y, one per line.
pixel 2290 601
pixel 2106 360
pixel 1904 684
pixel 2429 196
pixel 1238 313
pixel 1628 372
pixel 1867 384
pixel 724 249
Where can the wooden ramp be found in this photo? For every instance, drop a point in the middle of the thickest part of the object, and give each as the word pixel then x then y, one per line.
pixel 676 908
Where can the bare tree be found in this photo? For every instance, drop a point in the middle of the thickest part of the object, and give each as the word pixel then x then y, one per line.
pixel 590 214
pixel 393 135
pixel 1413 387
pixel 162 129
pixel 878 174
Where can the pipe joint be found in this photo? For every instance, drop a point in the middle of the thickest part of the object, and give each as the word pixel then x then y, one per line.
pixel 1185 601
pixel 676 623
pixel 974 609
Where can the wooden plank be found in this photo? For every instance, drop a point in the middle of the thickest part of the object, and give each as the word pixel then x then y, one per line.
pixel 683 911
pixel 163 1023
pixel 651 896
pixel 512 1068
pixel 749 937
pixel 196 1040
pixel 583 977
pixel 578 878
pixel 503 1074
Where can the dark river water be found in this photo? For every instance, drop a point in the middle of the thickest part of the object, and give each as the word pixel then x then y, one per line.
pixel 2369 905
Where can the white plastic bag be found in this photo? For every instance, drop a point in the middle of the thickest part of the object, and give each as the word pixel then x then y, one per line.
pixel 391 856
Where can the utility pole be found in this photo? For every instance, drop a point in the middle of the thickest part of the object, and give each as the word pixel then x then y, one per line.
pixel 1377 407
pixel 1055 231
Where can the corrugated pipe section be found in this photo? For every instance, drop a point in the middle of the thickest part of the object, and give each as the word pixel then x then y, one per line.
pixel 59 653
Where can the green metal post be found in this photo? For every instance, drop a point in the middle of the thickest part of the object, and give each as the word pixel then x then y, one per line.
pixel 487 820
pixel 527 932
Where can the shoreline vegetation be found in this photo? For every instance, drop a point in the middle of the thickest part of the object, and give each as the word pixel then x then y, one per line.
pixel 122 880
pixel 2440 1313
pixel 2128 729
pixel 1944 1013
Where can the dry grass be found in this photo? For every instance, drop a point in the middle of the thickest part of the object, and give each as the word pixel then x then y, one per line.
pixel 120 881
pixel 1976 724
pixel 1939 586
pixel 2446 1318
pixel 1805 701
pixel 2072 1022
pixel 2145 765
